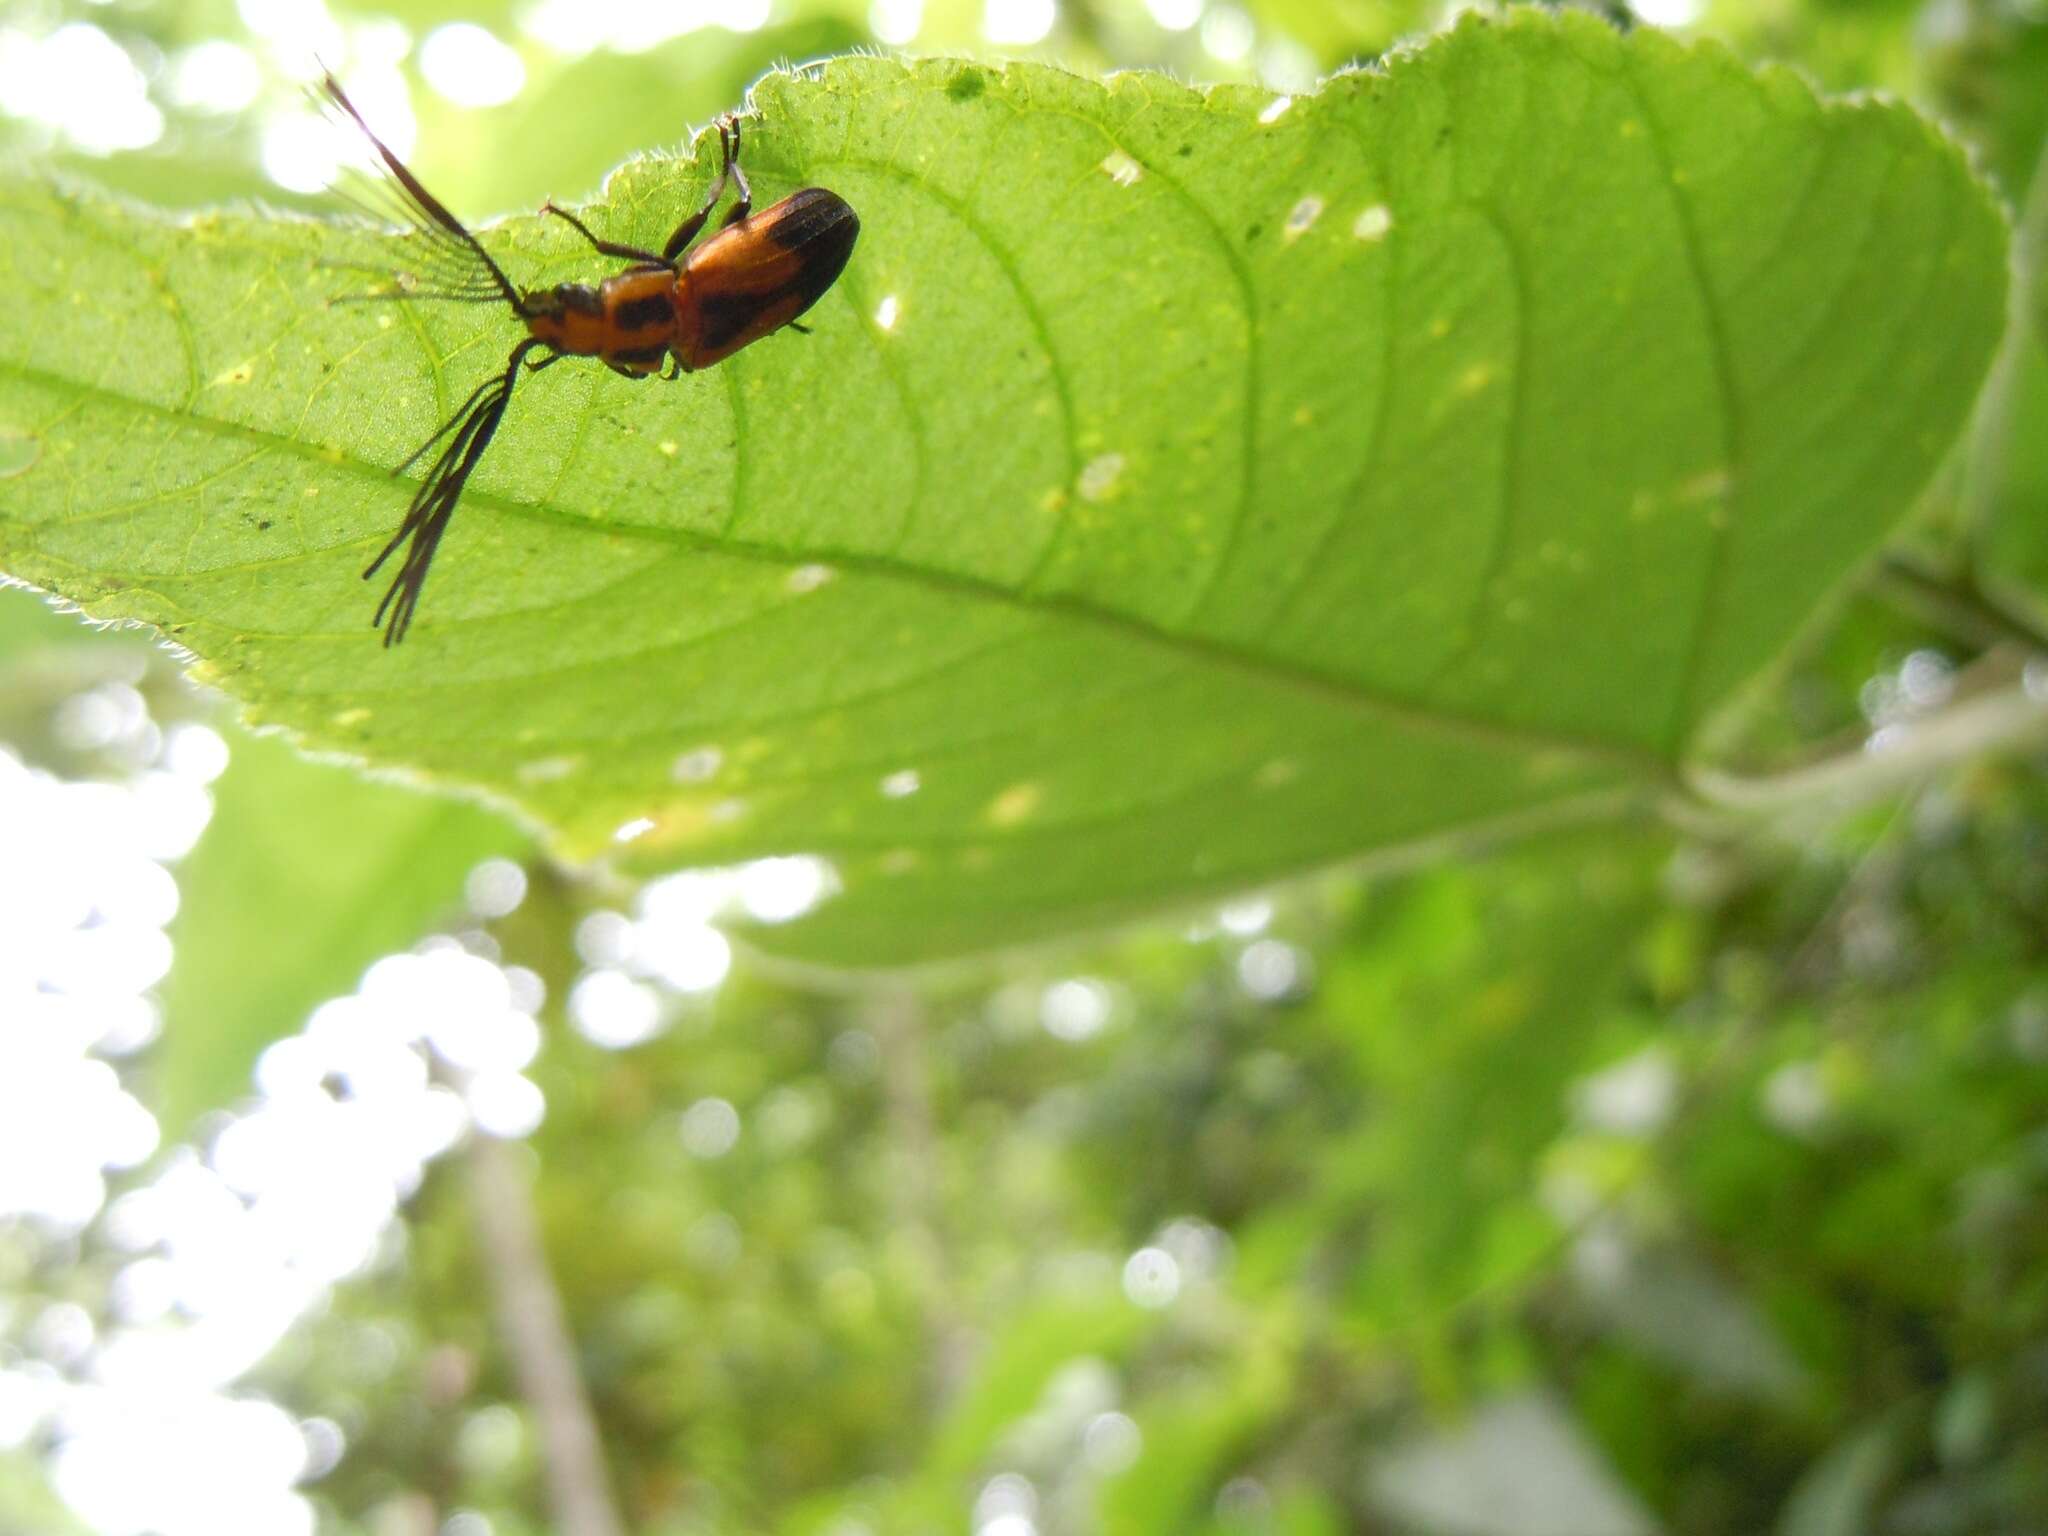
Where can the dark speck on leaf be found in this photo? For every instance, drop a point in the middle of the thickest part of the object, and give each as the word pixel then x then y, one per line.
pixel 264 526
pixel 1185 150
pixel 966 85
pixel 1254 232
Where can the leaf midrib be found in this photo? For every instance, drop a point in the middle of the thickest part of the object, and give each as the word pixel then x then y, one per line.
pixel 1344 693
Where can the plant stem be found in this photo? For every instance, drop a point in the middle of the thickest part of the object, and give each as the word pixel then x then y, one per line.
pixel 2007 719
pixel 916 1152
pixel 1957 603
pixel 536 1336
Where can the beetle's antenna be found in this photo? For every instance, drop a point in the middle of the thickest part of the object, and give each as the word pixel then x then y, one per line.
pixel 424 211
pixel 448 267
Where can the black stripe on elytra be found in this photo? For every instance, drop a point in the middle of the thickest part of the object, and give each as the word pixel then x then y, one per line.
pixel 802 216
pixel 820 228
pixel 655 310
pixel 722 316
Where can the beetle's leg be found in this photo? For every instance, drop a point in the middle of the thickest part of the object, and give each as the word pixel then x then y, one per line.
pixel 745 202
pixel 801 330
pixel 604 247
pixel 728 139
pixel 673 371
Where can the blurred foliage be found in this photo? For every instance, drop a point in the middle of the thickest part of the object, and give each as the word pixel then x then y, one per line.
pixel 1726 1149
pixel 1392 1195
pixel 356 867
pixel 621 104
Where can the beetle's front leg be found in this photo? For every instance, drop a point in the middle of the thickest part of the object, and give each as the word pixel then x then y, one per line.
pixel 728 150
pixel 744 204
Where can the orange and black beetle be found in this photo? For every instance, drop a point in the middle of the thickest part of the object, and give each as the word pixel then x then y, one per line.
pixel 757 274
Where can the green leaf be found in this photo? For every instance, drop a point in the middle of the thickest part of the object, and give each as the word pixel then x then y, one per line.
pixel 28 624
pixel 27 1502
pixel 1838 1494
pixel 1236 490
pixel 1520 1466
pixel 307 873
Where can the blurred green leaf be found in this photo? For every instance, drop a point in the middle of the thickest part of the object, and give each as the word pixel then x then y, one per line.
pixel 1229 493
pixel 1838 1495
pixel 590 114
pixel 307 872
pixel 1519 1467
pixel 28 622
pixel 1340 31
pixel 26 1502
pixel 1032 1347
pixel 1681 1311
pixel 1191 1441
pixel 2006 469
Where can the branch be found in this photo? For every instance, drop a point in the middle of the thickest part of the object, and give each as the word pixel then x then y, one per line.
pixel 537 1338
pixel 915 1153
pixel 2009 719
pixel 1958 604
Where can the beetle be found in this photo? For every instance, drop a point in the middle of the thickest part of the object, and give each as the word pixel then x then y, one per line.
pixel 669 312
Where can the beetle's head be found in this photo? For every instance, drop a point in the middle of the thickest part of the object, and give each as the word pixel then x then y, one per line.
pixel 562 299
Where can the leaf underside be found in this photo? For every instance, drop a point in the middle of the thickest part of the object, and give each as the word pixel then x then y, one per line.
pixel 1177 490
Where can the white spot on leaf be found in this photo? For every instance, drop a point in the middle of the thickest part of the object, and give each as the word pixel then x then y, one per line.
pixel 808 578
pixel 1122 169
pixel 546 770
pixel 1373 223
pixel 1279 771
pixel 697 765
pixel 1710 486
pixel 1302 217
pixel 1015 804
pixel 1099 476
